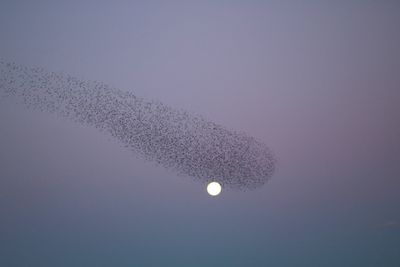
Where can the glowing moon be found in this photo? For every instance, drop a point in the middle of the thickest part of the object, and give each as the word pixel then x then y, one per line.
pixel 214 188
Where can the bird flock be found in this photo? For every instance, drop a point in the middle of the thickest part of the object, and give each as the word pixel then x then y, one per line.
pixel 188 144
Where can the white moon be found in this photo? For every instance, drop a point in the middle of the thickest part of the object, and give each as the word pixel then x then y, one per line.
pixel 214 188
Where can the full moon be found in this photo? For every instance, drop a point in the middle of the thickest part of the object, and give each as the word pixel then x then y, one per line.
pixel 214 188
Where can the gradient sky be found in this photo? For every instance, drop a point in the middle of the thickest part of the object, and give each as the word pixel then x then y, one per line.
pixel 318 82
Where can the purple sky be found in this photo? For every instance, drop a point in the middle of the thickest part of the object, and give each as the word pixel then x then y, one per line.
pixel 318 82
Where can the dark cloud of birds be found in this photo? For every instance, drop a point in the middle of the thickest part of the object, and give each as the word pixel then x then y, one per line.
pixel 175 139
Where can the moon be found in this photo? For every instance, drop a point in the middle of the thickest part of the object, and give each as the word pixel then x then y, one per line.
pixel 214 188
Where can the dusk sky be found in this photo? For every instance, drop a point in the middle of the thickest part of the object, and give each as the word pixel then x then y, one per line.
pixel 318 83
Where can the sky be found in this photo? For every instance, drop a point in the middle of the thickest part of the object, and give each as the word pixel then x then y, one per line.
pixel 318 82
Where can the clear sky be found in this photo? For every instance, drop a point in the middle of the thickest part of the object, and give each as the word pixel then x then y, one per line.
pixel 317 82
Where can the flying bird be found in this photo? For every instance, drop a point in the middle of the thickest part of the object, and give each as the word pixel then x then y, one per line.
pixel 175 139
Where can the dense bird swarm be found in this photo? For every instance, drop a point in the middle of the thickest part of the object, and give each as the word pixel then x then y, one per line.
pixel 188 144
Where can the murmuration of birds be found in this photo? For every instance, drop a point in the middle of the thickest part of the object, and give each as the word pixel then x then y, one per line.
pixel 188 144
